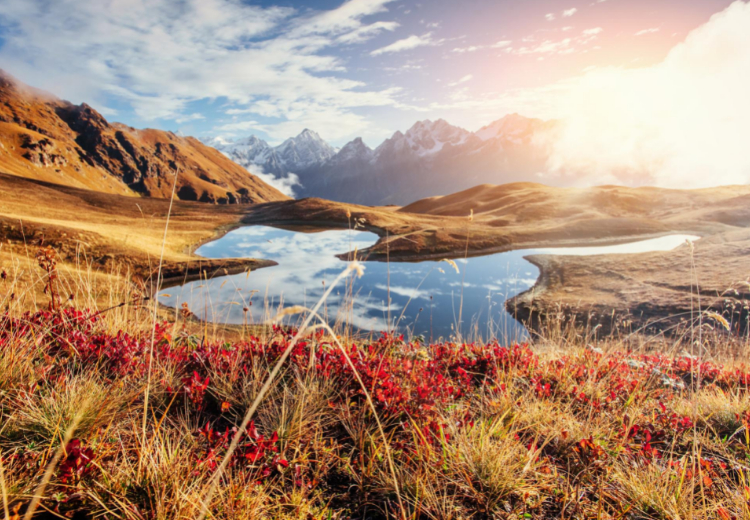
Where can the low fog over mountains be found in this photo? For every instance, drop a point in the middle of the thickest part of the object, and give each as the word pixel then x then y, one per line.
pixel 431 158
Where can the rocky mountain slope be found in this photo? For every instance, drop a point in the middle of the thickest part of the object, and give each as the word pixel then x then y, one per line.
pixel 45 138
pixel 431 158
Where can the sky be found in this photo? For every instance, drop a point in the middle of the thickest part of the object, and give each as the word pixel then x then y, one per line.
pixel 630 76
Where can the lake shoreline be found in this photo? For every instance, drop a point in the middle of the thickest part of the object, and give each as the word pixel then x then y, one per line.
pixel 487 273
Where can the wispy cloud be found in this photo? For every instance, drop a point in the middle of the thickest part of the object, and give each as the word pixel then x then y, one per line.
pixel 569 12
pixel 470 48
pixel 650 30
pixel 406 44
pixel 592 31
pixel 366 32
pixel 567 45
pixel 473 48
pixel 190 117
pixel 501 44
pixel 549 17
pixel 464 79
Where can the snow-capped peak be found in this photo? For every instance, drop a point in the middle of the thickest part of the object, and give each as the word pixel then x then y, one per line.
pixel 355 150
pixel 428 137
pixel 305 150
pixel 512 126
pixel 425 138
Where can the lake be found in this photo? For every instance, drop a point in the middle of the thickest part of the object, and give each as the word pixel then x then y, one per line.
pixel 431 299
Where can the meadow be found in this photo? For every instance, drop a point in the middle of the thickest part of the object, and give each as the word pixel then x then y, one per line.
pixel 111 407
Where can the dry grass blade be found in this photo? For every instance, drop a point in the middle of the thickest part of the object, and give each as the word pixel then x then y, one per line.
pixel 451 263
pixel 718 318
pixel 39 492
pixel 156 305
pixel 3 488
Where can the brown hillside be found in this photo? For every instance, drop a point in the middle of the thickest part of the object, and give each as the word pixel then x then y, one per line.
pixel 528 204
pixel 45 138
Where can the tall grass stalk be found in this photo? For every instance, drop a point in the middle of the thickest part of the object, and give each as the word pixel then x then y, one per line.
pixel 3 487
pixel 154 315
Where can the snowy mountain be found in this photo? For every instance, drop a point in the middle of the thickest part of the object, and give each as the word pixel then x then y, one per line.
pixel 353 152
pixel 430 158
pixel 512 127
pixel 423 139
pixel 304 151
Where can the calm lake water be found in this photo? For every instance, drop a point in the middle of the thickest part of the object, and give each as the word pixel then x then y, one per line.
pixel 426 298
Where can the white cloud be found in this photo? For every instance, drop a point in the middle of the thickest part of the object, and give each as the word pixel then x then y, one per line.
pixel 593 31
pixel 285 184
pixel 238 127
pixel 366 32
pixel 464 79
pixel 567 45
pixel 160 56
pixel 471 48
pixel 680 123
pixel 407 292
pixel 501 44
pixel 412 42
pixel 549 17
pixel 548 47
pixel 190 117
pixel 569 12
pixel 650 30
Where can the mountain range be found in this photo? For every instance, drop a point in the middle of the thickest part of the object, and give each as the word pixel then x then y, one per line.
pixel 431 158
pixel 45 138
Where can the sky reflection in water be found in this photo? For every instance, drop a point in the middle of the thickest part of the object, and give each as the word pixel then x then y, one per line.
pixel 436 290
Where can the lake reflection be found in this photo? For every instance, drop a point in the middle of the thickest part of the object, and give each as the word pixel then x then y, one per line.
pixel 426 298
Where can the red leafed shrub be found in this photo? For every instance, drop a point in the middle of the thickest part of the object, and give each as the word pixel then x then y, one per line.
pixel 78 462
pixel 254 451
pixel 426 396
pixel 195 387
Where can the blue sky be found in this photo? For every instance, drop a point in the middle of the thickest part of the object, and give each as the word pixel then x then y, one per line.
pixel 345 69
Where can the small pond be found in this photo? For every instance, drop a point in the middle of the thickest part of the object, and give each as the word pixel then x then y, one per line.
pixel 425 298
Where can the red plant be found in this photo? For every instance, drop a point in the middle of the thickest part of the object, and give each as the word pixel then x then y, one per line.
pixel 254 450
pixel 78 462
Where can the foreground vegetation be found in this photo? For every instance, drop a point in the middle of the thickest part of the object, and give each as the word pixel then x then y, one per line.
pixel 105 415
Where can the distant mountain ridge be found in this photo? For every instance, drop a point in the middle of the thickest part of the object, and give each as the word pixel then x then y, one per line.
pixel 46 138
pixel 431 158
pixel 297 153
